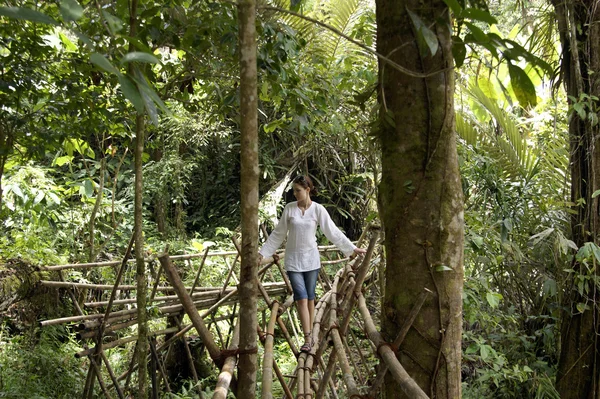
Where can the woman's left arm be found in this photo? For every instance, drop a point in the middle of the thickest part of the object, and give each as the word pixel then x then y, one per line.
pixel 334 234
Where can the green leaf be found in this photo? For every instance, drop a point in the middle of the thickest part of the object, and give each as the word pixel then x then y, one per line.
pixel 84 39
pixel 593 117
pixel 115 24
pixel 69 45
pixel 138 56
pixel 478 15
pixel 197 246
pixel 38 198
pixel 443 268
pixel 479 35
pixel 27 14
pixel 132 93
pixel 454 6
pixel 17 191
pixel 484 351
pixel 425 36
pixel 549 287
pixel 459 51
pixel 150 107
pixel 522 86
pixel 596 193
pixel 580 110
pixel 53 197
pixel 493 299
pixel 60 161
pixel 89 188
pixel 103 63
pixel 581 307
pixel 71 10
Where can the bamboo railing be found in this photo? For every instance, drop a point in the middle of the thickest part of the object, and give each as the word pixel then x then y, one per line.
pixel 337 354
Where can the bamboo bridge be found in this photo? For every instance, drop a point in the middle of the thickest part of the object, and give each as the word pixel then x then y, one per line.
pixel 339 364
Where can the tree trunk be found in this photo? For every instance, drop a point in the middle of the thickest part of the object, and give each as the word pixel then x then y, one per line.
pixel 249 200
pixel 578 374
pixel 142 285
pixel 420 198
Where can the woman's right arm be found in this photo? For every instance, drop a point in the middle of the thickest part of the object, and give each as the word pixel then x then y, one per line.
pixel 277 236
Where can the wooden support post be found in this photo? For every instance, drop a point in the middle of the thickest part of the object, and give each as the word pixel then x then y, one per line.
pixel 408 385
pixel 382 370
pixel 159 363
pixel 267 375
pixel 229 273
pixel 300 375
pixel 226 375
pixel 153 379
pixel 360 277
pixel 199 270
pixel 328 373
pixel 190 358
pixel 112 375
pixel 189 307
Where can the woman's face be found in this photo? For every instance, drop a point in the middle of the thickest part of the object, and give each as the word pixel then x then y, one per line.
pixel 300 192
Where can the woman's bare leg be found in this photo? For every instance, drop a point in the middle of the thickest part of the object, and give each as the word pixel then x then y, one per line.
pixel 311 312
pixel 305 315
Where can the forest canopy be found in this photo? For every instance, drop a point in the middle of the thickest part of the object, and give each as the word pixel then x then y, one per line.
pixel 121 133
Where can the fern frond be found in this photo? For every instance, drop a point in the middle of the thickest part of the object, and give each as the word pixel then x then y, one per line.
pixel 514 146
pixel 466 130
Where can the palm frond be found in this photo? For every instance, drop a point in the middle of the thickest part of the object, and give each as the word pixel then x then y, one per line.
pixel 342 15
pixel 466 130
pixel 517 156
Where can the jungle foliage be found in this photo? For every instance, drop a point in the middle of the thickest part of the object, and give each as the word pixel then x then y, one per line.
pixel 68 102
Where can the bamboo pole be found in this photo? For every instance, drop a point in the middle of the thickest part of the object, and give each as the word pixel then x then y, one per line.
pixel 284 386
pixel 382 371
pixel 189 307
pixel 321 248
pixel 267 376
pixel 159 363
pixel 124 341
pixel 300 375
pixel 199 270
pixel 112 376
pixel 106 287
pixel 272 288
pixel 407 384
pixel 190 358
pixel 328 373
pixel 226 375
pixel 360 277
pixel 211 293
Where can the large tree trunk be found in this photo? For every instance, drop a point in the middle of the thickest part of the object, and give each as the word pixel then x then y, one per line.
pixel 420 198
pixel 249 200
pixel 578 373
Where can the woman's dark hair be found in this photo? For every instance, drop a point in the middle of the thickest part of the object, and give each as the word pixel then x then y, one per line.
pixel 305 182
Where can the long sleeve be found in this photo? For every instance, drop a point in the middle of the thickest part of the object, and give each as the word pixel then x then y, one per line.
pixel 277 236
pixel 333 233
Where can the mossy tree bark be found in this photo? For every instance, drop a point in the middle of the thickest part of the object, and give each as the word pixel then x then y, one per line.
pixel 578 373
pixel 248 291
pixel 420 198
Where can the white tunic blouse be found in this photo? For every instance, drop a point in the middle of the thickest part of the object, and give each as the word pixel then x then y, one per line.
pixel 301 253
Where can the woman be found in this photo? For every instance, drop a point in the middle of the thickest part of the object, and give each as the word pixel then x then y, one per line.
pixel 299 223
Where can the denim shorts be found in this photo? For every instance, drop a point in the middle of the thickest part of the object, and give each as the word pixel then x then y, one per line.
pixel 304 284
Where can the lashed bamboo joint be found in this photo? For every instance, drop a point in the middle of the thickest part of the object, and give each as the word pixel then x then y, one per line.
pixel 336 354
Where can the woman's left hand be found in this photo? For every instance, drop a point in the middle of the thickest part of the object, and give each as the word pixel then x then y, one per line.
pixel 359 251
